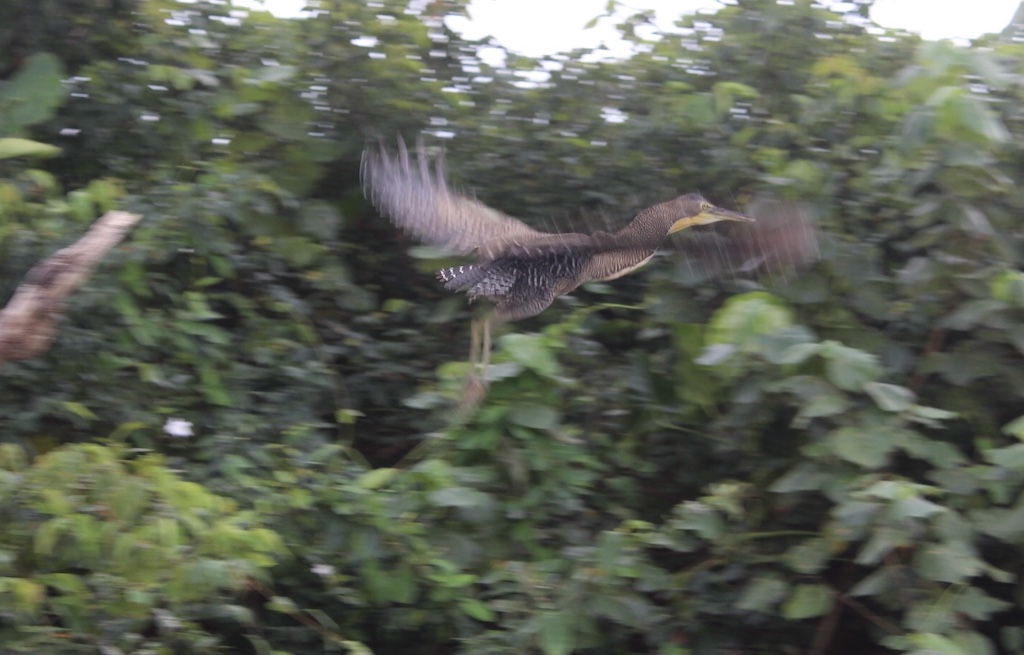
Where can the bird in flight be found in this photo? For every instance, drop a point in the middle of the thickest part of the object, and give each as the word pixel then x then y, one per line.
pixel 522 270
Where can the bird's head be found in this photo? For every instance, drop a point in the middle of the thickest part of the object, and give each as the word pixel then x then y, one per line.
pixel 693 209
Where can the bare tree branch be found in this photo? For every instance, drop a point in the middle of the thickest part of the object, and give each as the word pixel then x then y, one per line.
pixel 28 323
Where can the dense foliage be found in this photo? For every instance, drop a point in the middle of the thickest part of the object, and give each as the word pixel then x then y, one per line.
pixel 242 437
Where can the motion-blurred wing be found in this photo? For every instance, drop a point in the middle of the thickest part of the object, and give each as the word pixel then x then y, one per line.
pixel 418 201
pixel 547 243
pixel 782 240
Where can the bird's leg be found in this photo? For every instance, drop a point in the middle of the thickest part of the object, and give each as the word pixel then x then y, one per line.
pixel 475 388
pixel 474 346
pixel 480 346
pixel 486 354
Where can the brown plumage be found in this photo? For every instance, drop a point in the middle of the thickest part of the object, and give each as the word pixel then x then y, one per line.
pixel 522 270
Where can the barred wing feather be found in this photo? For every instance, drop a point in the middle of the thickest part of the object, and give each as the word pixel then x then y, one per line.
pixel 418 200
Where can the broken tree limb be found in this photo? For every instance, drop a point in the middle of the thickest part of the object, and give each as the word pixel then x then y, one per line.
pixel 28 323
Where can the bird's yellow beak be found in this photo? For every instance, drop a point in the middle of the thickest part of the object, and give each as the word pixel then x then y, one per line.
pixel 710 214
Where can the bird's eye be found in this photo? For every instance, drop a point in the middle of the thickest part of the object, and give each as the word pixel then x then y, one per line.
pixel 705 206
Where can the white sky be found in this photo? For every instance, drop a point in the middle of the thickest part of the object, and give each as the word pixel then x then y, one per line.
pixel 540 27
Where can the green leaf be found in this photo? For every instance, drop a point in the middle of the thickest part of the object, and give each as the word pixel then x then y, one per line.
pixel 882 541
pixel 849 368
pixel 1004 524
pixel 533 415
pixel 915 507
pixel 283 604
pixel 427 252
pixel 725 94
pixel 320 219
pixel 701 519
pixel 929 416
pixel 798 353
pixel 934 644
pixel 867 448
pixel 895 489
pixel 14 147
pixel 890 397
pixel 971 313
pixel 808 600
pixel 762 593
pixel 975 114
pixel 299 251
pixel 32 94
pixel 744 318
pixel 808 557
pixel 556 636
pixel 207 332
pixel 400 585
pixel 818 397
pixel 212 385
pixel 626 609
pixel 376 478
pixel 609 550
pixel 698 110
pixel 477 610
pixel 46 536
pixel 976 221
pixel 28 595
pixel 461 497
pixel 973 642
pixel 274 74
pixel 80 410
pixel 1015 428
pixel 878 582
pixel 715 354
pixel 347 416
pixel 1010 457
pixel 827 403
pixel 953 563
pixel 531 351
pixel 978 605
pixel 805 172
pixel 1008 288
pixel 802 477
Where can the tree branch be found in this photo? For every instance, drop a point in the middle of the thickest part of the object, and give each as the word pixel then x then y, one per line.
pixel 28 323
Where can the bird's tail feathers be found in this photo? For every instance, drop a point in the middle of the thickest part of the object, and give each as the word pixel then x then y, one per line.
pixel 460 278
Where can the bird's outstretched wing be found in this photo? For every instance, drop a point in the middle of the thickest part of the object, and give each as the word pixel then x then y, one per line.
pixel 783 240
pixel 547 243
pixel 417 199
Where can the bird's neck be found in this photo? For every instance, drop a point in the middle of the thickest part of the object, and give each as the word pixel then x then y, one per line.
pixel 650 227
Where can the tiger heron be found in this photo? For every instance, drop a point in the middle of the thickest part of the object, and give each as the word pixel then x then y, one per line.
pixel 520 269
